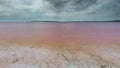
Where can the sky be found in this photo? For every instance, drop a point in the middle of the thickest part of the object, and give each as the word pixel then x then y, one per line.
pixel 59 10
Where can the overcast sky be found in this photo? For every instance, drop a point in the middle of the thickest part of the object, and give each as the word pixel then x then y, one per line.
pixel 59 10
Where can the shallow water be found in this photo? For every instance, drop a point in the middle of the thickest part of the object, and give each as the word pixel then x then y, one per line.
pixel 93 32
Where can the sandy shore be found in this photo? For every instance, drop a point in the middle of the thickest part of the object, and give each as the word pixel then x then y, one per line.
pixel 17 56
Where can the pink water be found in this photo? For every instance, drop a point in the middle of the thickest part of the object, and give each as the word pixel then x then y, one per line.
pixel 103 32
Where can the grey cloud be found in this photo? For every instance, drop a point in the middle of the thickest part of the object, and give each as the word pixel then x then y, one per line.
pixel 60 9
pixel 70 5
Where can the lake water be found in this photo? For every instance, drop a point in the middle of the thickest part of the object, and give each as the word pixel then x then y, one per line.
pixel 56 31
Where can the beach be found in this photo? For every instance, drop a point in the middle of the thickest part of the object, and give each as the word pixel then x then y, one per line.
pixel 60 45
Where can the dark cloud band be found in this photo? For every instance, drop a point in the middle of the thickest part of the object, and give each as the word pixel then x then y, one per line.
pixel 70 5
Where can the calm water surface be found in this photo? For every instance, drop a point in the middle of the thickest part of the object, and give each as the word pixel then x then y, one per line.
pixel 61 31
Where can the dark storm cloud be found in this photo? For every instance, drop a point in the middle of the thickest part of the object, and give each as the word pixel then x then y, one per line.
pixel 70 5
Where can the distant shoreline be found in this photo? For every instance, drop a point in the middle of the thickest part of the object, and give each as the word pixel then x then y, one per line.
pixel 116 21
